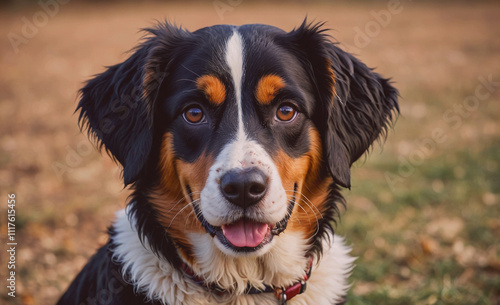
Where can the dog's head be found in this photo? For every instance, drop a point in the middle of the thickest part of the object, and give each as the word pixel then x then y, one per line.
pixel 236 135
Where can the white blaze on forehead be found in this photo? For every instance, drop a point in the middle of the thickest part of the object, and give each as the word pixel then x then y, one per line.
pixel 234 60
pixel 239 153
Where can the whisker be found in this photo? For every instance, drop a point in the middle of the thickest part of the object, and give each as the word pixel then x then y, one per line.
pixel 175 205
pixel 190 70
pixel 188 80
pixel 187 218
pixel 300 222
pixel 314 213
pixel 180 211
pixel 182 198
pixel 311 204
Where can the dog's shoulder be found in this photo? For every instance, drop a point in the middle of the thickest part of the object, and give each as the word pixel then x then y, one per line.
pixel 101 282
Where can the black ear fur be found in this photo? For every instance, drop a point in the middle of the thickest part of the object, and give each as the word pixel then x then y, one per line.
pixel 354 104
pixel 116 106
pixel 361 110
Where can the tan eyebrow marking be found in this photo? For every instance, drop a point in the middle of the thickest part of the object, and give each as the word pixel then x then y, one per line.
pixel 267 88
pixel 213 88
pixel 334 80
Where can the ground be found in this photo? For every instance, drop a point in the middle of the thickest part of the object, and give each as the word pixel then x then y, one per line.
pixel 423 214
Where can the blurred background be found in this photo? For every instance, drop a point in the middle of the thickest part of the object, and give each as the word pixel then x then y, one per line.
pixel 423 215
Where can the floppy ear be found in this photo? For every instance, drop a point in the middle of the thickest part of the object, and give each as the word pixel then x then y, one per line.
pixel 116 106
pixel 354 105
pixel 361 107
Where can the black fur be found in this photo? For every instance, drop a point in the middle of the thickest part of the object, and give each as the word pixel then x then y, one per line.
pixel 129 107
pixel 359 114
pixel 116 107
pixel 101 283
pixel 353 115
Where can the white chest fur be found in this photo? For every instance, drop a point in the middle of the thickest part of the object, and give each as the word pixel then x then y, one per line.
pixel 283 265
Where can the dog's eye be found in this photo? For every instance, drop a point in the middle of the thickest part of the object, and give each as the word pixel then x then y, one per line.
pixel 194 115
pixel 286 113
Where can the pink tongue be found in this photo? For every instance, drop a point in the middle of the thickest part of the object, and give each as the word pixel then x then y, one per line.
pixel 245 233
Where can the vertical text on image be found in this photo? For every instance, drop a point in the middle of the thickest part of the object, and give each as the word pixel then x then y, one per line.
pixel 11 245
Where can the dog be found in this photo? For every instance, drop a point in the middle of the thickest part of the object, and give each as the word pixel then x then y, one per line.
pixel 236 142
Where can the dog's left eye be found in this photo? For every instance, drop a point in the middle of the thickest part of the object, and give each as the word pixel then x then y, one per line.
pixel 286 113
pixel 194 115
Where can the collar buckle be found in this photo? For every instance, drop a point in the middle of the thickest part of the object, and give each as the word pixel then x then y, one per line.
pixel 281 298
pixel 285 294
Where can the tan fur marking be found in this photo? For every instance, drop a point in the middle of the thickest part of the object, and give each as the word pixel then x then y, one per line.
pixel 213 88
pixel 169 177
pixel 267 88
pixel 171 199
pixel 333 77
pixel 311 187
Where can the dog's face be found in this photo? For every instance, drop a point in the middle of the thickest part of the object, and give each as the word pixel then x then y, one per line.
pixel 237 133
pixel 242 136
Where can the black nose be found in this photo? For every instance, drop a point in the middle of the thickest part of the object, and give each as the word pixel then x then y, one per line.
pixel 244 187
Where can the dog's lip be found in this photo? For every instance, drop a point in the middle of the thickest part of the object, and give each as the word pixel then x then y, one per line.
pixel 273 229
pixel 218 232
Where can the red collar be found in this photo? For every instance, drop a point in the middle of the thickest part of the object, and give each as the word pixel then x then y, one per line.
pixel 282 294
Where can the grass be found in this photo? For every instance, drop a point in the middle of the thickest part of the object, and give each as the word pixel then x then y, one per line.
pixel 428 235
pixel 432 240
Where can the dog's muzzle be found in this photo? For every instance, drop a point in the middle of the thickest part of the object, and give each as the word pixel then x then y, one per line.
pixel 245 188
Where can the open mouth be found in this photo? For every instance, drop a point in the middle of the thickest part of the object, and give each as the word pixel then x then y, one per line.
pixel 245 235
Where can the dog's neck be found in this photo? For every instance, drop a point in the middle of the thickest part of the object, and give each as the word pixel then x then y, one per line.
pixel 280 267
pixel 281 293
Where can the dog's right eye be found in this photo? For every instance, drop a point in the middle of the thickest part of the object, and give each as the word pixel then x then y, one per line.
pixel 286 113
pixel 194 115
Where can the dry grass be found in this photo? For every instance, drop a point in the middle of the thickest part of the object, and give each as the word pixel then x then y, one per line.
pixel 433 239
